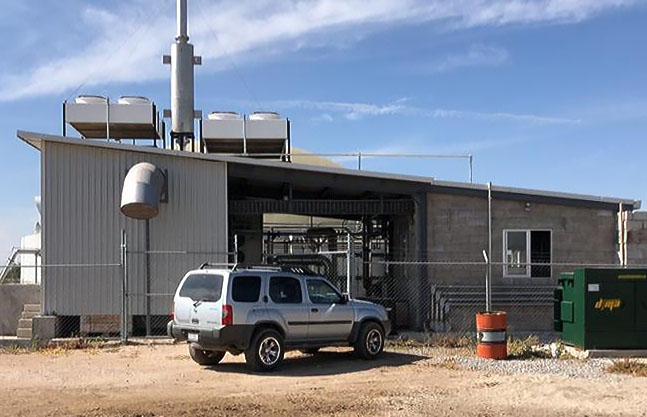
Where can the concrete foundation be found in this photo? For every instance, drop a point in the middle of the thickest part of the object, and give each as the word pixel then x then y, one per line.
pixel 13 298
pixel 44 328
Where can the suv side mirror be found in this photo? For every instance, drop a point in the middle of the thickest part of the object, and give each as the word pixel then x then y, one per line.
pixel 344 298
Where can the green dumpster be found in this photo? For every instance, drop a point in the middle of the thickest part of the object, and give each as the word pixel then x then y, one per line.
pixel 602 308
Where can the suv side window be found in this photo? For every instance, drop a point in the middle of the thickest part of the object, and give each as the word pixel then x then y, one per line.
pixel 245 289
pixel 285 290
pixel 320 292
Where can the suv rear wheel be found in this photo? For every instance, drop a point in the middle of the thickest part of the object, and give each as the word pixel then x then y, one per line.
pixel 205 357
pixel 370 342
pixel 266 350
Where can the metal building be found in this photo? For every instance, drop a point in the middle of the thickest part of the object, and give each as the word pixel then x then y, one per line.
pixel 211 198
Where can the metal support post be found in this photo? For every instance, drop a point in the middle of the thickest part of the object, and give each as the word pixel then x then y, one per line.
pixel 471 158
pixel 488 278
pixel 235 249
pixel 64 118
pixel 108 119
pixel 349 256
pixel 148 278
pixel 245 135
pixel 359 161
pixel 124 288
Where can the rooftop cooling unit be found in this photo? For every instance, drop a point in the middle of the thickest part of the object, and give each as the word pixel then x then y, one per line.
pixel 131 117
pixel 262 134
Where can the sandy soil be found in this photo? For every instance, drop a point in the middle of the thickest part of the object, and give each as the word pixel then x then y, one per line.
pixel 163 381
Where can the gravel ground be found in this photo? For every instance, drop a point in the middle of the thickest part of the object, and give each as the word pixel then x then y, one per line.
pixel 465 359
pixel 161 380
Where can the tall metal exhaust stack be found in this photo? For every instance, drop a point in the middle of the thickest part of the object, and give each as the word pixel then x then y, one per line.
pixel 182 85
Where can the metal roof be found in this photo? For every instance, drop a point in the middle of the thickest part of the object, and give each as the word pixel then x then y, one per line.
pixel 421 184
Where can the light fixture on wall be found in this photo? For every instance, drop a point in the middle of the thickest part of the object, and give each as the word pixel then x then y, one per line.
pixel 527 206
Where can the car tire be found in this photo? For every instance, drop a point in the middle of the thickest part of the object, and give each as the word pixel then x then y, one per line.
pixel 206 357
pixel 370 341
pixel 310 351
pixel 266 351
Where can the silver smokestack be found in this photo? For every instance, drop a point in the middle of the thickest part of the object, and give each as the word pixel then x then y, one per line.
pixel 182 84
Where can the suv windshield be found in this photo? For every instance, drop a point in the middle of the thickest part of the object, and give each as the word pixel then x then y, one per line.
pixel 202 287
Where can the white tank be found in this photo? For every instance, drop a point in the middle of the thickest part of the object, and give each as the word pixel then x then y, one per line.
pixel 224 115
pixel 264 115
pixel 88 99
pixel 133 100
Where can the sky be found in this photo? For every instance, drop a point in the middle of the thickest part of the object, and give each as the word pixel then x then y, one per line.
pixel 545 94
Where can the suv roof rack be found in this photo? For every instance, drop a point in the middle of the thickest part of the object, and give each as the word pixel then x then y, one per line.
pixel 294 269
pixel 212 265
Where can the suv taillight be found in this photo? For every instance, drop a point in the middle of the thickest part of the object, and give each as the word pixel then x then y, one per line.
pixel 172 314
pixel 227 315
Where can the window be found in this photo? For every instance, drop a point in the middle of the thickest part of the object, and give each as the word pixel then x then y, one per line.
pixel 523 250
pixel 202 287
pixel 285 290
pixel 245 289
pixel 320 292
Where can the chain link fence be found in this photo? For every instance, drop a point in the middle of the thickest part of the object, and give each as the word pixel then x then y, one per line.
pixel 132 296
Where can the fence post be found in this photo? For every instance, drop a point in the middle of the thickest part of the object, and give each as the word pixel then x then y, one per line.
pixel 235 249
pixel 148 278
pixel 124 288
pixel 349 254
pixel 488 277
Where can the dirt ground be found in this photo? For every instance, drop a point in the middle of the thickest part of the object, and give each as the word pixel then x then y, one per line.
pixel 161 380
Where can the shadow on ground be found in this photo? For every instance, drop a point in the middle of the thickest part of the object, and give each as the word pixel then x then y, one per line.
pixel 325 363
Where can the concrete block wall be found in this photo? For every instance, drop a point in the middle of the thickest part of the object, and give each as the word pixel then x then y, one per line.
pixel 458 231
pixel 13 297
pixel 637 238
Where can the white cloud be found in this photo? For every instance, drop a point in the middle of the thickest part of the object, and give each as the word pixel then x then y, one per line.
pixel 355 111
pixel 476 56
pixel 125 45
pixel 323 117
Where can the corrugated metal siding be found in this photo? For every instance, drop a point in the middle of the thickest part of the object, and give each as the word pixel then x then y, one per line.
pixel 81 192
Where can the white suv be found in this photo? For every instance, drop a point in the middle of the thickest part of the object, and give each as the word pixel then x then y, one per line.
pixel 264 311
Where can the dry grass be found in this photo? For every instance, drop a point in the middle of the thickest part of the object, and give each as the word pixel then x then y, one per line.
pixel 89 345
pixel 528 348
pixel 628 367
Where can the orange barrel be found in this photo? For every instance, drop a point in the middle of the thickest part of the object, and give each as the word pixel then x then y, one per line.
pixel 491 333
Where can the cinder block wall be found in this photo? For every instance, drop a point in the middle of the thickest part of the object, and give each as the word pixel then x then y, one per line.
pixel 12 299
pixel 637 238
pixel 458 231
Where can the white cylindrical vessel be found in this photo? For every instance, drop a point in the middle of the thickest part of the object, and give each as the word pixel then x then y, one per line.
pixel 182 88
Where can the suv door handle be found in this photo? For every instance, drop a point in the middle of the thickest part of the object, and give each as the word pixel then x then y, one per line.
pixel 314 310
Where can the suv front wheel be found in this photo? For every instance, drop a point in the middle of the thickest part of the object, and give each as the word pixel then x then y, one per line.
pixel 205 357
pixel 370 342
pixel 266 350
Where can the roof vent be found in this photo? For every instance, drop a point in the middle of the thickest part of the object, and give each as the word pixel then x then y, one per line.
pixel 224 115
pixel 133 100
pixel 88 99
pixel 264 115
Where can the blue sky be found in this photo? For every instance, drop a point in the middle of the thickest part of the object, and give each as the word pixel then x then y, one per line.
pixel 545 94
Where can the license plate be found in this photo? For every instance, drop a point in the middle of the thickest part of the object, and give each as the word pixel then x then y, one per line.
pixel 193 337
